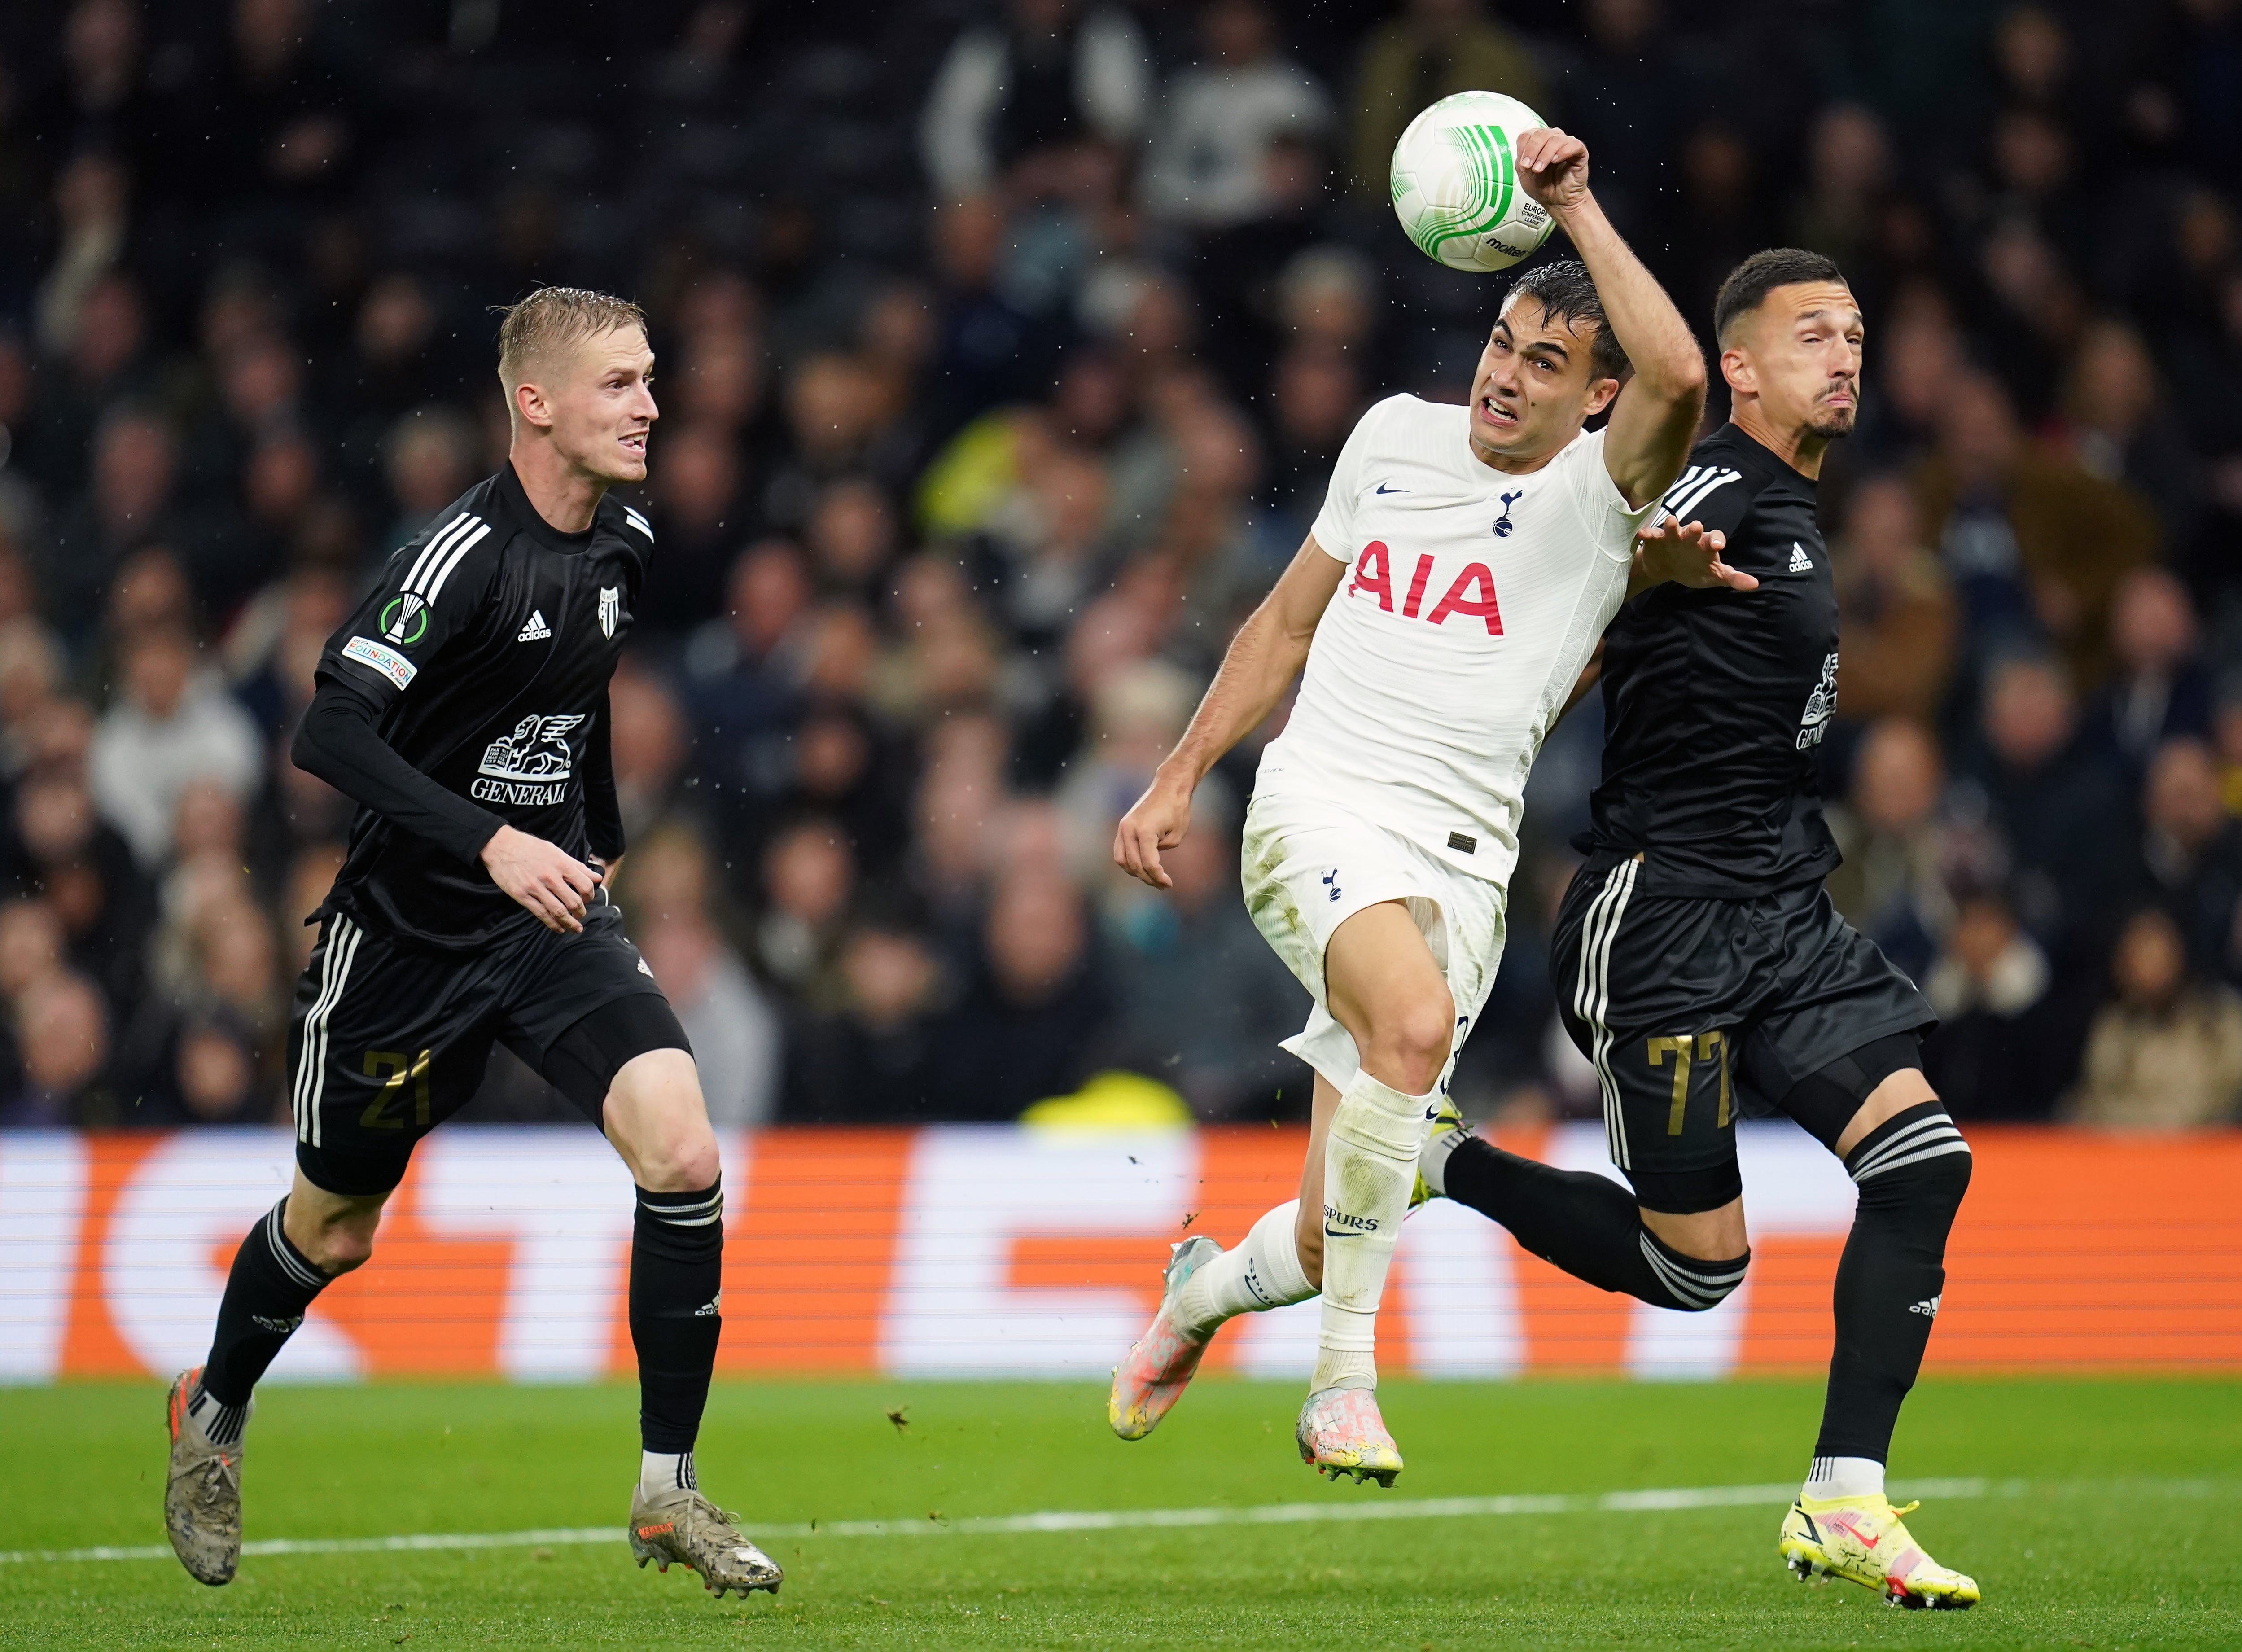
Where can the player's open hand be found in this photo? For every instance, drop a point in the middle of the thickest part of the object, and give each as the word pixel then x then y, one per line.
pixel 550 882
pixel 1158 821
pixel 1553 167
pixel 1686 553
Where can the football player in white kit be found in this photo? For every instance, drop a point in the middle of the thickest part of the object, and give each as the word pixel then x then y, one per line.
pixel 1448 597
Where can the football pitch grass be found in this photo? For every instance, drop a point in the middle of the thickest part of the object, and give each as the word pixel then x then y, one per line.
pixel 2093 1513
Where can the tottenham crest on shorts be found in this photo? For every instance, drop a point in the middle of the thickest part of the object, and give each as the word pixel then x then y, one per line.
pixel 611 605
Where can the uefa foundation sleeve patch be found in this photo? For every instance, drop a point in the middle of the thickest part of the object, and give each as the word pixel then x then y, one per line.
pixel 391 664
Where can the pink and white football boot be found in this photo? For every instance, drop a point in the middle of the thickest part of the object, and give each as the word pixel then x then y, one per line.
pixel 1160 1364
pixel 1340 1433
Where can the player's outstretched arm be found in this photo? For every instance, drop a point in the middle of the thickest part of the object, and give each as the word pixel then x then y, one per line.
pixel 1685 553
pixel 1654 418
pixel 1259 665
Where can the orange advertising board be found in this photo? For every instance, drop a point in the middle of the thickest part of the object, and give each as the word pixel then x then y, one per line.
pixel 1004 1251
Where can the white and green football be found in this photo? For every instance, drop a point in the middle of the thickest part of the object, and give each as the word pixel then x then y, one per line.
pixel 1455 183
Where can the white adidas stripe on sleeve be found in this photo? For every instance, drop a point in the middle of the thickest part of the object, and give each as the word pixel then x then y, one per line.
pixel 1685 497
pixel 458 555
pixel 438 543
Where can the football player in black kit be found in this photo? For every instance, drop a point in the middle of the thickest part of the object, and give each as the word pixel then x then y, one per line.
pixel 464 707
pixel 1697 960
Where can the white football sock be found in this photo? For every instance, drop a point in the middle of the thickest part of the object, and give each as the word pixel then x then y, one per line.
pixel 1370 1164
pixel 1262 1270
pixel 667 1471
pixel 220 1424
pixel 1845 1477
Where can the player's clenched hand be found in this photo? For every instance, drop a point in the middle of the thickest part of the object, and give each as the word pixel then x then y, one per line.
pixel 1553 167
pixel 550 883
pixel 1688 554
pixel 1158 821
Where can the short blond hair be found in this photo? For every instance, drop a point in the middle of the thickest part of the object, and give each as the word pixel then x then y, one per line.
pixel 554 318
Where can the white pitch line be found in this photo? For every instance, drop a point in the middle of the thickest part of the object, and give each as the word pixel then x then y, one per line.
pixel 1106 1520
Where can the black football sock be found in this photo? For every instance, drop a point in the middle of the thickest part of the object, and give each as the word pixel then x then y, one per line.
pixel 1587 1225
pixel 676 1311
pixel 1912 1171
pixel 267 1289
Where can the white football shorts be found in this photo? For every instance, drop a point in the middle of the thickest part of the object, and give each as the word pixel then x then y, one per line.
pixel 1308 866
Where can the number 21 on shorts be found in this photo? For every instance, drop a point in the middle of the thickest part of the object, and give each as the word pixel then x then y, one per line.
pixel 394 1069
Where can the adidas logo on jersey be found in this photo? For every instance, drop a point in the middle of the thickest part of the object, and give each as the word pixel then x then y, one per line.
pixel 1800 562
pixel 535 630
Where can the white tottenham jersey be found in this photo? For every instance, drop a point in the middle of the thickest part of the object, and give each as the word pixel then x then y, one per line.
pixel 1475 599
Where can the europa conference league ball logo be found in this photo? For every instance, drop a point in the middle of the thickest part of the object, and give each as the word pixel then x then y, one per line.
pixel 405 619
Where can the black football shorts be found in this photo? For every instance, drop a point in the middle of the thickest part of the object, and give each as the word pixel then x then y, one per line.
pixel 385 1041
pixel 1691 1007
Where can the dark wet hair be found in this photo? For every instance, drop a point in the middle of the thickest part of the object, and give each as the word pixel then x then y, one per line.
pixel 1750 282
pixel 1567 294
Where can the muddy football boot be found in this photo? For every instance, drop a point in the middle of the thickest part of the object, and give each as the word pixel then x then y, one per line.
pixel 202 1496
pixel 680 1527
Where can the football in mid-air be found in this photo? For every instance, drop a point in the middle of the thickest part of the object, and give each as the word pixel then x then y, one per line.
pixel 1455 183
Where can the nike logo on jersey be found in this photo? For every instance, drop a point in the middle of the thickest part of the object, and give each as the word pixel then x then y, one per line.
pixel 534 629
pixel 1694 486
pixel 1384 488
pixel 1800 562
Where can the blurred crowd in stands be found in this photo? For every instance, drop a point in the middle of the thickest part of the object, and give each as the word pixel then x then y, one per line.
pixel 1004 351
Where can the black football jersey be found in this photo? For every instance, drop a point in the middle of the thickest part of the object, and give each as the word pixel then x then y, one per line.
pixel 1714 701
pixel 489 643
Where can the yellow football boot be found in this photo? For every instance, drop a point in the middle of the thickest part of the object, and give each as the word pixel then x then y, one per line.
pixel 1447 1119
pixel 1864 1540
